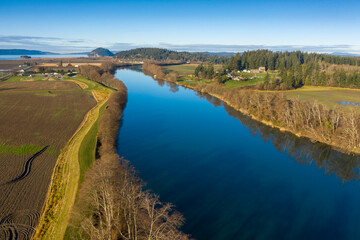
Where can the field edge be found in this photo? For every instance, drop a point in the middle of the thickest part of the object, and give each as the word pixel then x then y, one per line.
pixel 66 175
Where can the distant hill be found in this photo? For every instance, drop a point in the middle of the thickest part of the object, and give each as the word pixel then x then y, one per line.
pixel 77 53
pixel 23 52
pixel 160 54
pixel 221 54
pixel 344 54
pixel 100 52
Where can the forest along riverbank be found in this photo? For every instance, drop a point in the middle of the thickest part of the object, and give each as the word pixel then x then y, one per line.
pixel 125 210
pixel 233 177
pixel 317 122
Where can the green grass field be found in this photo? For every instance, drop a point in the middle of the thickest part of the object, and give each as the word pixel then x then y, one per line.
pixel 232 83
pixel 24 149
pixel 184 80
pixel 186 69
pixel 24 78
pixel 88 147
pixel 329 96
pixel 86 159
pixel 86 84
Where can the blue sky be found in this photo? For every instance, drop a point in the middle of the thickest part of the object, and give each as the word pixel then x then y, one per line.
pixel 68 26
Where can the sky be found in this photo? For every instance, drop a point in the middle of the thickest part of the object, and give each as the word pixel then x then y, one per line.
pixel 78 26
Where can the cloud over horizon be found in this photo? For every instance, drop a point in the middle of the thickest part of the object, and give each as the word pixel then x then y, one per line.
pixel 50 44
pixel 63 45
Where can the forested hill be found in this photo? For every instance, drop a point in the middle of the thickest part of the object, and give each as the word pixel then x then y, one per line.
pixel 101 52
pixel 285 60
pixel 299 68
pixel 159 54
pixel 22 52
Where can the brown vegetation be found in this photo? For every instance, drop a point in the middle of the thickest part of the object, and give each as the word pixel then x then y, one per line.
pixel 116 207
pixel 36 86
pixel 306 118
pixel 153 70
pixel 112 203
pixel 344 166
pixel 34 115
pixel 318 122
pixel 14 64
pixel 157 72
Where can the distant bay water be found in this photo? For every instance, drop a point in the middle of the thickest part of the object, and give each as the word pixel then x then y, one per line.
pixel 15 57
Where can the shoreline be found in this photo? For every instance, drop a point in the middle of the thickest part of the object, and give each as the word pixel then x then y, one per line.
pixel 355 151
pixel 270 124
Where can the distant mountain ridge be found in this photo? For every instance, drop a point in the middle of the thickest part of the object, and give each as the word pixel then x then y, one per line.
pixel 23 52
pixel 341 54
pixel 101 52
pixel 220 54
pixel 76 53
pixel 161 54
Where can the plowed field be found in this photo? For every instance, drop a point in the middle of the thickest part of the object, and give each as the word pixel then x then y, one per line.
pixel 36 121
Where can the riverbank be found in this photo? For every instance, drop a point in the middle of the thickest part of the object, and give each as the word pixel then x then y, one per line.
pixel 65 179
pixel 301 118
pixel 124 203
pixel 272 124
pixel 223 169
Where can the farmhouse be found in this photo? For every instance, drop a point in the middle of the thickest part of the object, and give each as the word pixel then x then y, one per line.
pixel 260 70
pixel 234 77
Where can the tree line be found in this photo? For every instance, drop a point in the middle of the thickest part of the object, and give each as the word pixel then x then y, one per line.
pixel 112 201
pixel 333 126
pixel 303 151
pixel 205 71
pixel 284 60
pixel 159 54
pixel 299 68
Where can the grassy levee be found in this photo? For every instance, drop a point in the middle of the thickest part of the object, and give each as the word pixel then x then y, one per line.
pixel 70 166
pixel 88 148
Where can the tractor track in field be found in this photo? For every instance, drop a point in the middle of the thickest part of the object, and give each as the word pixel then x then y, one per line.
pixel 27 167
pixel 11 230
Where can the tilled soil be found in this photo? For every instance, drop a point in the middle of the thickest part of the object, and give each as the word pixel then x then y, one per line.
pixel 44 120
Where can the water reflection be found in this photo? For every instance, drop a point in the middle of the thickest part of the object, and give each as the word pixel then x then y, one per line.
pixel 227 183
pixel 348 103
pixel 302 150
pixel 136 68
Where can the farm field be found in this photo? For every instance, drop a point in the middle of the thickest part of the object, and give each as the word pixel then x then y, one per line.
pixel 36 121
pixel 233 83
pixel 330 96
pixel 261 78
pixel 14 64
pixel 24 79
pixel 75 158
pixel 185 69
pixel 72 63
pixel 188 69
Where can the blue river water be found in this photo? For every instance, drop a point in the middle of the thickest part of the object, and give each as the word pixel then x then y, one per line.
pixel 232 177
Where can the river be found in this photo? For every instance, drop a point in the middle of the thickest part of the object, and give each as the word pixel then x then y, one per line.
pixel 230 176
